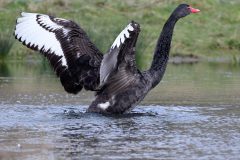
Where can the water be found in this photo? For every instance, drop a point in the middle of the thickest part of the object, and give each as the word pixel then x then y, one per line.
pixel 193 114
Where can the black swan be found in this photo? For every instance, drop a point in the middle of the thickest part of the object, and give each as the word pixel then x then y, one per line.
pixel 119 85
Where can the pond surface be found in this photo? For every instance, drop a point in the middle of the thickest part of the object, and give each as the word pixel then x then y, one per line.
pixel 193 114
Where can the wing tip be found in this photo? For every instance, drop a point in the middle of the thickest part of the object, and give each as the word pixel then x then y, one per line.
pixel 15 35
pixel 22 13
pixel 26 14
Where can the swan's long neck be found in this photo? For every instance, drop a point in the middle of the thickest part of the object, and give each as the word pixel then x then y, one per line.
pixel 162 49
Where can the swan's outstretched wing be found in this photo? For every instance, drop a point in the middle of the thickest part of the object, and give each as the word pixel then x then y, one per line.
pixel 72 55
pixel 118 67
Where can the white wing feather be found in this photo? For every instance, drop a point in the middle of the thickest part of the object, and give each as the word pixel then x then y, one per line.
pixel 109 61
pixel 29 30
pixel 121 37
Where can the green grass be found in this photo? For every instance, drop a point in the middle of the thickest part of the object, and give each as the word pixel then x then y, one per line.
pixel 212 34
pixel 6 42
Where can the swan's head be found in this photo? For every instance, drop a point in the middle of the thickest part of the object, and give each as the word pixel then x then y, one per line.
pixel 128 35
pixel 183 10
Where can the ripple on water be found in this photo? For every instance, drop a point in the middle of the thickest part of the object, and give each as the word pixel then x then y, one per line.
pixel 148 132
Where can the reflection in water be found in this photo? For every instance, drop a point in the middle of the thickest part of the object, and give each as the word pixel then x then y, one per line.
pixel 194 84
pixel 196 114
pixel 198 84
pixel 4 71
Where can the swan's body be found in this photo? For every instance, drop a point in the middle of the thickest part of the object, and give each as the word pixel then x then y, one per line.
pixel 119 84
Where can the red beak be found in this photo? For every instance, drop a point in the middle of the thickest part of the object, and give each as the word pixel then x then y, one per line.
pixel 193 10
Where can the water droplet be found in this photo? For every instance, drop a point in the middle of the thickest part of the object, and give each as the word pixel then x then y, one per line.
pixel 19 145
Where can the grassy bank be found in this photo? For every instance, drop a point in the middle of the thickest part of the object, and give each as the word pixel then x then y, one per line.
pixel 213 34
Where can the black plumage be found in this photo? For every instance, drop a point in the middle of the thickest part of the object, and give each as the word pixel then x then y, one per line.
pixel 119 85
pixel 82 57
